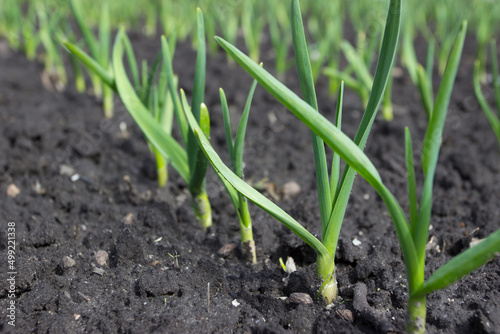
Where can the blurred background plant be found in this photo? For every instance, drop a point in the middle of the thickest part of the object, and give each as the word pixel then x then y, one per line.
pixel 339 31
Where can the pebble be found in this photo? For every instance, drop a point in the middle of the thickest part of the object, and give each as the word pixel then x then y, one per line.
pixel 346 315
pixel 101 257
pixel 226 250
pixel 13 190
pixel 291 189
pixel 98 271
pixel 128 219
pixel 66 170
pixel 37 188
pixel 290 265
pixel 68 262
pixel 356 242
pixel 300 298
pixel 397 72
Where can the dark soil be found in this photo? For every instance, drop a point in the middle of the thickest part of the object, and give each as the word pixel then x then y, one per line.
pixel 166 275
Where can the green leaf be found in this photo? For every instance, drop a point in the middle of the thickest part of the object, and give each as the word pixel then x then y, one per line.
pixel 240 133
pixel 198 90
pixel 104 35
pixel 132 62
pixel 179 114
pixel 336 139
pixel 91 41
pixel 358 64
pixel 488 112
pixel 434 131
pixel 199 169
pixel 429 61
pixel 252 194
pixel 91 64
pixel 349 81
pixel 309 95
pixel 205 120
pixel 409 56
pixel 150 74
pixel 412 185
pixel 227 126
pixel 163 142
pixel 335 173
pixel 432 142
pixel 425 88
pixel 495 73
pixel 462 264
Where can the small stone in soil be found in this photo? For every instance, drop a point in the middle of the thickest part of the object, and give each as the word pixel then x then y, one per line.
pixel 66 170
pixel 37 188
pixel 346 315
pixel 226 250
pixel 101 257
pixel 290 265
pixel 300 298
pixel 397 72
pixel 68 262
pixel 98 271
pixel 291 189
pixel 128 219
pixel 13 190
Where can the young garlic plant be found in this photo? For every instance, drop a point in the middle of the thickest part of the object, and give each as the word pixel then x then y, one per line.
pixel 333 189
pixel 235 149
pixel 153 113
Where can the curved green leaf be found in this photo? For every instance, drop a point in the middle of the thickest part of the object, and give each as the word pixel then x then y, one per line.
pixel 432 143
pixel 496 73
pixel 424 84
pixel 91 41
pixel 179 115
pixel 309 94
pixel 462 264
pixel 163 142
pixel 488 112
pixel 349 151
pixel 360 68
pixel 433 135
pixel 412 184
pixel 92 64
pixel 198 89
pixel 197 160
pixel 240 133
pixel 227 126
pixel 257 198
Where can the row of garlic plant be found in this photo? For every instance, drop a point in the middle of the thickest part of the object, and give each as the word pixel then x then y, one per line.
pixel 325 24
